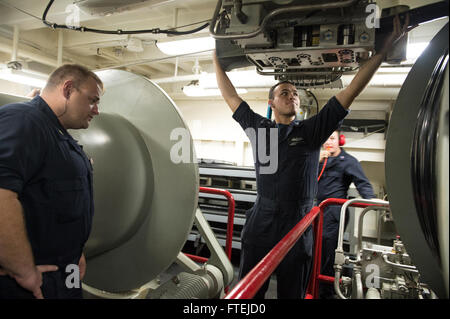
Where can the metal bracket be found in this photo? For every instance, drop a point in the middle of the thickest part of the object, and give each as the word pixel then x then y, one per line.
pixel 218 257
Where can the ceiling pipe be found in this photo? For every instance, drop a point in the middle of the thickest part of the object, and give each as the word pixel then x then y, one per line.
pixel 15 45
pixel 176 67
pixel 110 56
pixel 175 17
pixel 180 78
pixel 152 60
pixel 29 50
pixel 29 55
pixel 175 24
pixel 60 48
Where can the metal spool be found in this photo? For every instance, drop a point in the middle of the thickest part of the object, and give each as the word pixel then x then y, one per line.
pixel 144 202
pixel 417 163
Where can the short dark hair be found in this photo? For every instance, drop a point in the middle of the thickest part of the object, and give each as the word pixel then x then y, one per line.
pixel 272 89
pixel 76 72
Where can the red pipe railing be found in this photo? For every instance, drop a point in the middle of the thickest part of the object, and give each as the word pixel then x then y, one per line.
pixel 230 224
pixel 230 221
pixel 252 282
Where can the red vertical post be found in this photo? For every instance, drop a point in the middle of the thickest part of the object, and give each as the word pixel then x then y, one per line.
pixel 230 221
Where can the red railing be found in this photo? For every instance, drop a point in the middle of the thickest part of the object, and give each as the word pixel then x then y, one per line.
pixel 252 282
pixel 230 222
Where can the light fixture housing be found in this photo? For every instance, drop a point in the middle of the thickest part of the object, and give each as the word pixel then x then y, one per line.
pixel 198 91
pixel 134 45
pixel 26 77
pixel 109 7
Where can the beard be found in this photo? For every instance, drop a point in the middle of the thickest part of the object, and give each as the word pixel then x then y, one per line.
pixel 287 112
pixel 290 113
pixel 285 109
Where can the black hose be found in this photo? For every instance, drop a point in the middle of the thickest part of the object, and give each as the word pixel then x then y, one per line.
pixel 315 99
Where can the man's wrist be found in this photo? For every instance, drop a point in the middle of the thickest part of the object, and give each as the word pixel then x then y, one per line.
pixel 23 273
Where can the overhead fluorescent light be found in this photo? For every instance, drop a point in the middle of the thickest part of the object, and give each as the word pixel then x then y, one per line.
pixel 186 46
pixel 30 78
pixel 379 80
pixel 198 91
pixel 240 79
pixel 108 7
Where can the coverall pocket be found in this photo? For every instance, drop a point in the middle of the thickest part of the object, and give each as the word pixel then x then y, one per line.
pixel 68 201
pixel 260 227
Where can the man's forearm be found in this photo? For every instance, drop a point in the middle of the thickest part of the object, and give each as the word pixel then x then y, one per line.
pixel 225 86
pixel 365 74
pixel 16 256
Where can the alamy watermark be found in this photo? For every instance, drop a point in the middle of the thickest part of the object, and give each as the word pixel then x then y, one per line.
pixel 181 151
pixel 372 276
pixel 73 17
pixel 373 19
pixel 73 277
pixel 261 144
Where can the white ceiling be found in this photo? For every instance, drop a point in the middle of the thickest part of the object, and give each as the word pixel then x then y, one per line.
pixel 98 50
pixel 38 44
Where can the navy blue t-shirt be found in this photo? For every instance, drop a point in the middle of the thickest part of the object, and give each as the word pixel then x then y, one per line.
pixel 286 168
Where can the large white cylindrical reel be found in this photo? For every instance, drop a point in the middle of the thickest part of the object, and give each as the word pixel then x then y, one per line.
pixel 144 202
pixel 416 160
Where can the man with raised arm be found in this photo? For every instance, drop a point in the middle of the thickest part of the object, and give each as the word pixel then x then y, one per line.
pixel 285 194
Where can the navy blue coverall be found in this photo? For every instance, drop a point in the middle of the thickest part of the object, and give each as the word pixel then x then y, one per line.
pixel 340 171
pixel 285 196
pixel 52 176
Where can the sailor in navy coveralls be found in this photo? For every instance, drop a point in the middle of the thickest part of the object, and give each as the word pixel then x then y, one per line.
pixel 286 192
pixel 46 187
pixel 340 171
pixel 285 196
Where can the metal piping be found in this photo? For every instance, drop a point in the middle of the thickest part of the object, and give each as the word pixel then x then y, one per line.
pixel 15 47
pixel 342 217
pixel 179 78
pixel 359 285
pixel 337 289
pixel 360 223
pixel 26 54
pixel 29 50
pixel 145 61
pixel 325 6
pixel 108 55
pixel 400 266
pixel 380 218
pixel 59 58
pixel 339 252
